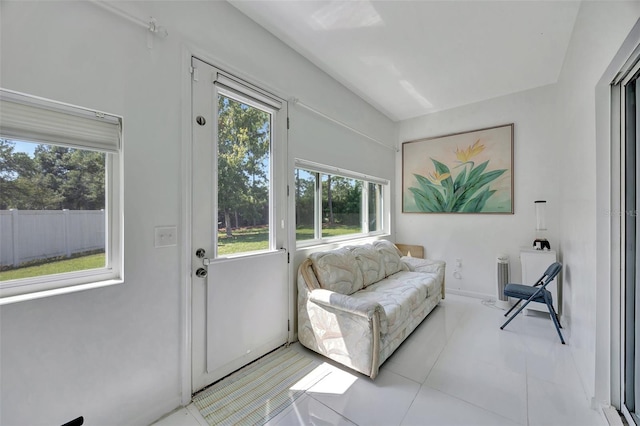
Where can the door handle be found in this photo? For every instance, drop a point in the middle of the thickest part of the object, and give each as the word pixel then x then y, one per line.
pixel 200 253
pixel 202 272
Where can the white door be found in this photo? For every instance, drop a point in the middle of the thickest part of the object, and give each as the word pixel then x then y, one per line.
pixel 240 294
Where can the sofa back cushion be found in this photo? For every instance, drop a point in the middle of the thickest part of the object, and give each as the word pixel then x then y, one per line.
pixel 337 270
pixel 370 262
pixel 390 257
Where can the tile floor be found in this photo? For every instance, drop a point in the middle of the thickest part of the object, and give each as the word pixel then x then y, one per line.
pixel 457 368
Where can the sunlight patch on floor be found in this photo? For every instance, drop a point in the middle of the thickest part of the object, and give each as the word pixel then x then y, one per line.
pixel 337 382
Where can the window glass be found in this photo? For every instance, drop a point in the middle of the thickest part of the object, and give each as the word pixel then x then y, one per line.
pixel 305 204
pixel 52 209
pixel 341 206
pixel 244 142
pixel 375 207
pixel 631 240
pixel 60 198
pixel 330 206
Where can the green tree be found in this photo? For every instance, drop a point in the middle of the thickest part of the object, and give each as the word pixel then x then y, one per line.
pixel 55 178
pixel 83 186
pixel 75 178
pixel 305 198
pixel 7 174
pixel 342 199
pixel 330 201
pixel 349 194
pixel 243 162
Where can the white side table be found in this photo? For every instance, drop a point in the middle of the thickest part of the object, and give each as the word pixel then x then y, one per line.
pixel 534 263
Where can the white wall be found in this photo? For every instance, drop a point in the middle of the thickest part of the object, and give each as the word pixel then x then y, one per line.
pixel 113 354
pixel 477 239
pixel 557 158
pixel 600 29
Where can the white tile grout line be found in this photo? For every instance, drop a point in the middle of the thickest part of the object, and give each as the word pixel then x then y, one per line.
pixel 339 414
pixel 526 387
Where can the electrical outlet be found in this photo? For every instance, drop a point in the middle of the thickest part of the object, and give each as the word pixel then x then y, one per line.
pixel 166 236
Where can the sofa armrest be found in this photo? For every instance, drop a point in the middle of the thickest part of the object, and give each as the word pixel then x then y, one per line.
pixel 344 303
pixel 341 327
pixel 423 265
pixel 427 266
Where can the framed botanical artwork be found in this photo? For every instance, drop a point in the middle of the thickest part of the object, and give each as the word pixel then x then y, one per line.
pixel 468 172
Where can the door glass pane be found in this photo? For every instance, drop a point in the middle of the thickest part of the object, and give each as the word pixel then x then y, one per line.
pixel 305 204
pixel 52 217
pixel 244 141
pixel 341 206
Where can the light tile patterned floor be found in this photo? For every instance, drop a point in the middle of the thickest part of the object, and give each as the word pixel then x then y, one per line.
pixel 457 368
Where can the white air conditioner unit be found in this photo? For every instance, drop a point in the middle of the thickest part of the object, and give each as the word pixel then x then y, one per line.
pixel 502 278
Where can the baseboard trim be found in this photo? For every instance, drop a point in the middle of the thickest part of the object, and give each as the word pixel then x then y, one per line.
pixel 467 293
pixel 158 411
pixel 612 416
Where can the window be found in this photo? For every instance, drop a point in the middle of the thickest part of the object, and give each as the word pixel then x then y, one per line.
pixel 624 98
pixel 630 158
pixel 60 198
pixel 244 174
pixel 335 204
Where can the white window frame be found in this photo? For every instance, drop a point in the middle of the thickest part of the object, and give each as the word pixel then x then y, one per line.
pixel 629 72
pixel 34 119
pixel 233 90
pixel 320 169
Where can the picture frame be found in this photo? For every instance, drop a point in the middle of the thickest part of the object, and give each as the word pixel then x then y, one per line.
pixel 460 173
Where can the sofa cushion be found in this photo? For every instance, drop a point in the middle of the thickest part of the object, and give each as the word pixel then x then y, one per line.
pixel 400 295
pixel 370 262
pixel 337 270
pixel 427 283
pixel 390 257
pixel 397 299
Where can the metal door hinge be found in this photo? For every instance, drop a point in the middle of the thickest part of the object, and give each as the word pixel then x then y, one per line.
pixel 288 325
pixel 194 73
pixel 287 123
pixel 288 257
pixel 287 190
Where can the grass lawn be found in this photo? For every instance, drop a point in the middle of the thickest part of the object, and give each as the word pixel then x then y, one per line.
pixel 253 239
pixel 57 267
pixel 243 240
pixel 307 233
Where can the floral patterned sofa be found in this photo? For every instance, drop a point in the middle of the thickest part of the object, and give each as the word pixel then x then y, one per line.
pixel 357 304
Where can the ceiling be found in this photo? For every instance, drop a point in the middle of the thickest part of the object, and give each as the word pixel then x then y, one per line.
pixel 410 58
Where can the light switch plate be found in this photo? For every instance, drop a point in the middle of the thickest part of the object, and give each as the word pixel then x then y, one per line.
pixel 166 236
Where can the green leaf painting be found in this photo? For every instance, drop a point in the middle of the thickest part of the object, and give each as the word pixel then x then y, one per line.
pixel 441 177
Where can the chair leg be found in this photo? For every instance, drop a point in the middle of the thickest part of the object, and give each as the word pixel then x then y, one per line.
pixel 554 317
pixel 513 307
pixel 516 314
pixel 557 317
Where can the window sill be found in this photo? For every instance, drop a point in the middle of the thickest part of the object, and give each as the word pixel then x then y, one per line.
pixel 359 239
pixel 8 299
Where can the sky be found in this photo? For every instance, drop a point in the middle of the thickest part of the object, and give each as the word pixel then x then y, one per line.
pixel 26 147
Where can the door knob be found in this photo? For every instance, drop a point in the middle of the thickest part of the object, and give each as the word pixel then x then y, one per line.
pixel 200 253
pixel 201 273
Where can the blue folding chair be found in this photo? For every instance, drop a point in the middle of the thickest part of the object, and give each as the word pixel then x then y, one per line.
pixel 536 293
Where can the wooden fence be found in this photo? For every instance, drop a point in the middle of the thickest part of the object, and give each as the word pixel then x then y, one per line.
pixel 30 235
